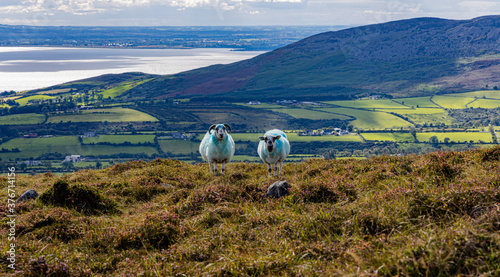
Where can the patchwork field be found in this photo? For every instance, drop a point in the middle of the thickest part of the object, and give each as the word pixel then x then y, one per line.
pixel 369 104
pixel 396 137
pixel 21 119
pixel 101 115
pixel 133 139
pixel 177 147
pixel 417 102
pixel 452 102
pixel 370 119
pixel 456 136
pixel 311 114
pixel 485 103
pixel 25 100
pixel 495 94
pixel 295 137
pixel 66 145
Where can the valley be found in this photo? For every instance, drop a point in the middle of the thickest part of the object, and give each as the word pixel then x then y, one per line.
pixel 83 118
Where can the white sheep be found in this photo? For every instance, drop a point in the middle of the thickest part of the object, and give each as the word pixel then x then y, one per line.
pixel 273 149
pixel 217 147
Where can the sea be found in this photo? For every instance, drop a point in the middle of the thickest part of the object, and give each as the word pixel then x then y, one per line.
pixel 26 68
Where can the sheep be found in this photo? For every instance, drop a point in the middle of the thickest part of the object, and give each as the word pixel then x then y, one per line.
pixel 217 147
pixel 273 149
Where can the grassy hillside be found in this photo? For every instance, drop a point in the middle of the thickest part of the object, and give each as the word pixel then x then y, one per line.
pixel 435 214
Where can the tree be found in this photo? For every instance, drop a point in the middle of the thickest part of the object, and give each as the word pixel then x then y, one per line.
pixel 98 165
pixel 446 140
pixel 434 140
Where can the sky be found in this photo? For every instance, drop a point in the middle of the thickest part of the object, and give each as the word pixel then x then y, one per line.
pixel 233 12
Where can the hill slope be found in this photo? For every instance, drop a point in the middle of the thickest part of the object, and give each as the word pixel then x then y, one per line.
pixel 408 57
pixel 436 215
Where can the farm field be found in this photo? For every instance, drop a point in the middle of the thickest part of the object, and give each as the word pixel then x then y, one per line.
pixel 291 137
pixel 370 119
pixel 25 100
pixel 120 89
pixel 485 103
pixel 34 147
pixel 94 150
pixel 495 94
pixel 263 106
pixel 310 114
pixel 21 119
pixel 422 111
pixel 395 136
pixel 456 136
pixel 178 147
pixel 66 145
pixel 452 102
pixel 133 139
pixel 369 104
pixel 55 91
pixel 295 137
pixel 101 115
pixel 417 102
pixel 436 118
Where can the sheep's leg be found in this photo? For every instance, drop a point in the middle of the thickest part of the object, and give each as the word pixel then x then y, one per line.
pixel 276 165
pixel 210 167
pixel 215 169
pixel 223 168
pixel 281 166
pixel 269 169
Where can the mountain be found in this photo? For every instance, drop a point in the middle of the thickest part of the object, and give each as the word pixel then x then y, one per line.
pixel 412 57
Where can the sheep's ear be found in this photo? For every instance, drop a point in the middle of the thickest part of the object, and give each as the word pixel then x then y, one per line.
pixel 278 137
pixel 262 138
pixel 228 127
pixel 211 127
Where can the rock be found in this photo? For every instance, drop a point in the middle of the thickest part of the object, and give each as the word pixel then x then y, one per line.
pixel 278 189
pixel 30 194
pixel 168 186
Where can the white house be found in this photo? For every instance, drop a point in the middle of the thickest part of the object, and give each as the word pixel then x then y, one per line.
pixel 72 158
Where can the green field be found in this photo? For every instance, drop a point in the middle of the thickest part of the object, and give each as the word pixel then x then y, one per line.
pixel 485 103
pixel 495 94
pixel 291 137
pixel 55 91
pixel 456 136
pixel 25 100
pixel 262 106
pixel 422 111
pixel 420 102
pixel 368 104
pixel 295 137
pixel 310 114
pixel 34 147
pixel 134 139
pixel 100 115
pixel 452 102
pixel 431 118
pixel 120 89
pixel 397 137
pixel 177 147
pixel 370 119
pixel 21 119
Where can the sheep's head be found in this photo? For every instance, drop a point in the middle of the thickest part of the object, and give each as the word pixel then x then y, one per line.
pixel 221 130
pixel 270 142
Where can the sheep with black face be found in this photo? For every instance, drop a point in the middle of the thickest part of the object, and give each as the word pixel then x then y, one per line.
pixel 217 147
pixel 273 149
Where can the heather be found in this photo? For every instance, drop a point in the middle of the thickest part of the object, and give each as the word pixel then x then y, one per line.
pixel 428 215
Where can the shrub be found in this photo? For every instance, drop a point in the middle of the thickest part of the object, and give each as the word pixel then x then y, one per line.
pixel 82 198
